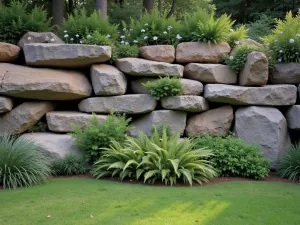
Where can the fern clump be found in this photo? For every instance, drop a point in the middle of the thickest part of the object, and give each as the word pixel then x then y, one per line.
pixel 154 159
pixel 235 35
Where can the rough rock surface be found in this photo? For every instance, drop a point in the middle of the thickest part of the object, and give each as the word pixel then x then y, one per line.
pixel 147 68
pixel 9 52
pixel 64 121
pixel 43 84
pixel 269 95
pixel 215 122
pixel 159 53
pixel 255 71
pixel 293 117
pixel 190 87
pixel 285 73
pixel 210 73
pixel 24 116
pixel 176 120
pixel 54 146
pixel 65 55
pixel 6 104
pixel 108 80
pixel 129 104
pixel 188 103
pixel 200 52
pixel 39 37
pixel 264 126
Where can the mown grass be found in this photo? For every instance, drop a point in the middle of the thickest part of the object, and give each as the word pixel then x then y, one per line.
pixel 73 201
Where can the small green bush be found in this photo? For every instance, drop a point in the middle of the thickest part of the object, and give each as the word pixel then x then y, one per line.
pixel 15 21
pixel 164 87
pixel 260 27
pixel 96 38
pixel 124 50
pixel 95 136
pixel 289 164
pixel 284 42
pixel 236 35
pixel 233 157
pixel 21 163
pixel 160 129
pixel 69 165
pixel 238 59
pixel 158 158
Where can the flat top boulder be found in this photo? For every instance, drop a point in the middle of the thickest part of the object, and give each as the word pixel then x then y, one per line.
pixel 188 103
pixel 65 55
pixel 285 73
pixel 159 53
pixel 39 37
pixel 8 52
pixel 147 68
pixel 43 84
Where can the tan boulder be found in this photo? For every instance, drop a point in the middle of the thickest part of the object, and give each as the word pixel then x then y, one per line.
pixel 159 53
pixel 6 104
pixel 39 37
pixel 187 103
pixel 9 52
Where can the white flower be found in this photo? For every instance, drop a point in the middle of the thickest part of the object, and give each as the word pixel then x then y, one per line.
pixel 146 24
pixel 155 38
pixel 135 41
pixel 231 30
pixel 124 29
pixel 72 39
pixel 65 31
pixel 231 57
pixel 280 60
pixel 29 38
pixel 47 38
pixel 292 41
pixel 130 29
pixel 237 42
pixel 178 36
pixel 89 36
pixel 169 27
pixel 165 32
pixel 146 37
pixel 281 51
pixel 122 36
pixel 297 35
pixel 108 36
pixel 80 41
pixel 77 35
pixel 296 53
pixel 276 41
pixel 126 43
pixel 143 30
pixel 52 40
pixel 122 42
pixel 281 32
pixel 66 36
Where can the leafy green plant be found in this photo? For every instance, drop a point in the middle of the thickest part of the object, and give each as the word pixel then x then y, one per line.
pixel 164 87
pixel 17 19
pixel 96 38
pixel 160 129
pixel 69 165
pixel 284 42
pixel 289 163
pixel 236 35
pixel 260 27
pixel 238 59
pixel 21 163
pixel 156 158
pixel 41 126
pixel 234 157
pixel 95 136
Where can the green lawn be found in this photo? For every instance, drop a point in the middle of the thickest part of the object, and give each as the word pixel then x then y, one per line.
pixel 73 201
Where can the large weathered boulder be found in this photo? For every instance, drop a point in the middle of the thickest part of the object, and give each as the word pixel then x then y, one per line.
pixel 65 55
pixel 293 117
pixel 188 103
pixel 108 80
pixel 215 122
pixel 190 87
pixel 159 53
pixel 9 52
pixel 285 73
pixel 147 68
pixel 176 120
pixel 64 121
pixel 6 104
pixel 39 37
pixel 255 71
pixel 54 146
pixel 210 73
pixel 269 95
pixel 43 84
pixel 129 104
pixel 264 126
pixel 24 116
pixel 201 52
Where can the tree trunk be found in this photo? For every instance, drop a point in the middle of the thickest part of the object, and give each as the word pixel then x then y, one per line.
pixel 71 6
pixel 101 6
pixel 148 5
pixel 160 7
pixel 57 11
pixel 172 10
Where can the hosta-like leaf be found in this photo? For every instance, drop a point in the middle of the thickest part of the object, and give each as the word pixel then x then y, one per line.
pixel 117 165
pixel 129 163
pixel 175 163
pixel 186 173
pixel 149 174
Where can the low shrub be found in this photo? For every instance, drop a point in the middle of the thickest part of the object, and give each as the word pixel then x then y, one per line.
pixel 235 35
pixel 69 165
pixel 284 42
pixel 160 129
pixel 125 50
pixel 95 136
pixel 96 38
pixel 21 163
pixel 260 27
pixel 289 164
pixel 164 87
pixel 238 59
pixel 233 157
pixel 17 19
pixel 156 158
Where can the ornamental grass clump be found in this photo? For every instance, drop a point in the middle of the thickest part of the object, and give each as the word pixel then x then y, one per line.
pixel 284 42
pixel 21 163
pixel 69 165
pixel 156 159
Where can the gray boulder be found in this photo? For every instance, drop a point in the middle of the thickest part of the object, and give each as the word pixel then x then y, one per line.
pixel 147 68
pixel 264 126
pixel 269 95
pixel 159 53
pixel 39 37
pixel 64 121
pixel 6 104
pixel 108 80
pixel 129 104
pixel 188 103
pixel 176 120
pixel 210 73
pixel 285 73
pixel 65 55
pixel 293 117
